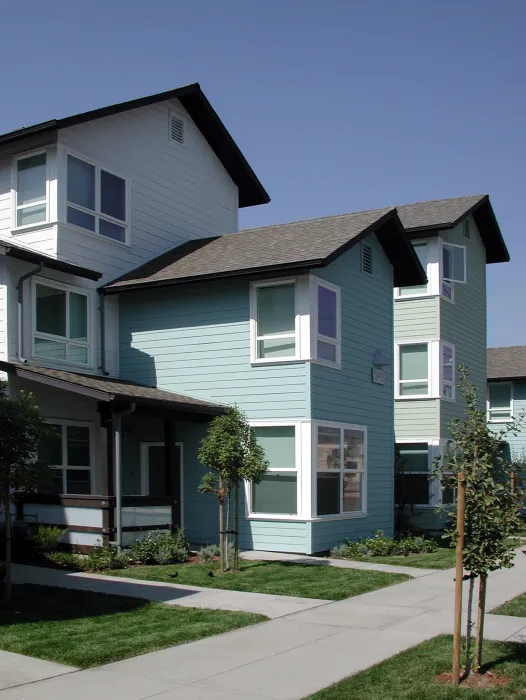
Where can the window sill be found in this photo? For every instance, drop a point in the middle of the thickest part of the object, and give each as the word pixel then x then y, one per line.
pixel 96 236
pixel 32 227
pixel 416 397
pixel 275 516
pixel 502 420
pixel 341 516
pixel 415 296
pixel 326 363
pixel 284 361
pixel 63 364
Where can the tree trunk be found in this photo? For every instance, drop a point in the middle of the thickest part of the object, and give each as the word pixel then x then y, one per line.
pixel 221 527
pixel 480 620
pixel 227 530
pixel 236 529
pixel 8 566
pixel 469 625
pixel 457 633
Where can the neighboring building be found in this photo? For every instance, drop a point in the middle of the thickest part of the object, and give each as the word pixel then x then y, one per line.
pixel 439 326
pixel 507 395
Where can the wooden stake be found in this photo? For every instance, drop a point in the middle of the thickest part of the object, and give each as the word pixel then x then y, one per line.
pixel 221 528
pixel 236 530
pixel 459 573
pixel 480 619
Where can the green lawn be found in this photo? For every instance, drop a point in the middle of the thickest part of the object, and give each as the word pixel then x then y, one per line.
pixel 83 629
pixel 443 558
pixel 515 607
pixel 280 578
pixel 411 675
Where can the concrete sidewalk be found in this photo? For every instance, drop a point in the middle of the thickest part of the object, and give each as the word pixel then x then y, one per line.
pixel 293 656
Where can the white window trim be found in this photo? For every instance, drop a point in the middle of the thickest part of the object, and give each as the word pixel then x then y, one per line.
pixel 495 408
pixel 315 424
pixel 64 467
pixel 427 293
pixel 443 382
pixel 446 244
pixel 88 293
pixel 430 459
pixel 302 435
pixel 317 282
pixel 96 213
pixel 14 192
pixel 433 369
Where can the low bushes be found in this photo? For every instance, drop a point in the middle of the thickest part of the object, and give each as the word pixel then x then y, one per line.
pixel 382 546
pixel 48 537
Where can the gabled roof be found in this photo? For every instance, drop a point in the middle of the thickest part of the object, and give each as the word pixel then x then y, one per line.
pixel 286 247
pixel 30 255
pixel 424 218
pixel 193 99
pixel 507 363
pixel 108 389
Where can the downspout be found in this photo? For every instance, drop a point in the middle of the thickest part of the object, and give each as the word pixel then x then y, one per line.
pixel 117 445
pixel 20 288
pixel 102 306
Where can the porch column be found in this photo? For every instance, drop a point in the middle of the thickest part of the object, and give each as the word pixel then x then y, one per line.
pixel 172 470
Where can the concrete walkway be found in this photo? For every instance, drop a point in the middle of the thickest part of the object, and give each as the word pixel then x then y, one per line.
pixel 17 669
pixel 290 657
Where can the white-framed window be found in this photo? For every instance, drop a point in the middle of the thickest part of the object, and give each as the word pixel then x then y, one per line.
pixel 500 402
pixel 277 493
pixel 31 189
pixel 340 452
pixel 412 476
pixel 413 370
pixel 421 249
pixel 454 263
pixel 61 322
pixel 97 199
pixel 447 371
pixel 68 452
pixel 327 318
pixel 274 321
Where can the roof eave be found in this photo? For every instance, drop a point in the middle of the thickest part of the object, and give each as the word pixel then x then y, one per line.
pixel 35 257
pixel 506 378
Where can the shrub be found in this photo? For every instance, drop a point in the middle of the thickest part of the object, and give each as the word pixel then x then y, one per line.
pixel 104 558
pixel 208 554
pixel 68 560
pixel 164 548
pixel 48 537
pixel 382 546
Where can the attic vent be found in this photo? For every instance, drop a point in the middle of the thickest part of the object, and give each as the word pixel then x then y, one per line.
pixel 176 129
pixel 467 229
pixel 367 258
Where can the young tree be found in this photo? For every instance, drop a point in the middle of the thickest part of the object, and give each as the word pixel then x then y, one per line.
pixel 21 432
pixel 231 452
pixel 492 501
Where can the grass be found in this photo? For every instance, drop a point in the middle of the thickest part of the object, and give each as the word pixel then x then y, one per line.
pixel 443 558
pixel 411 675
pixel 515 607
pixel 84 629
pixel 279 578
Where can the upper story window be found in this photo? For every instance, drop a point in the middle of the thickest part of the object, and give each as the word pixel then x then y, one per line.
pixel 500 402
pixel 413 370
pixel 452 269
pixel 97 199
pixel 61 328
pixel 421 249
pixel 328 342
pixel 31 190
pixel 341 469
pixel 447 371
pixel 276 332
pixel 277 493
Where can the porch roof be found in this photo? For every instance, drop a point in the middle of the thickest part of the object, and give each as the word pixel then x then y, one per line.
pixel 108 389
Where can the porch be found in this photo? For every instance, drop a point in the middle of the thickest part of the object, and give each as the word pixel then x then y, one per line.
pixel 117 454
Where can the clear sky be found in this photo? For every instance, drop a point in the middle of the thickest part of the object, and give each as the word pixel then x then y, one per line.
pixel 339 105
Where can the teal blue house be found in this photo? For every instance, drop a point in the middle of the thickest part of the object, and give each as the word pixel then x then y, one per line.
pixel 294 325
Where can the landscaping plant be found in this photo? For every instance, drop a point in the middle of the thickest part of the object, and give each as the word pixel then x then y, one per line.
pixel 163 548
pixel 22 431
pixel 492 499
pixel 48 537
pixel 382 546
pixel 232 454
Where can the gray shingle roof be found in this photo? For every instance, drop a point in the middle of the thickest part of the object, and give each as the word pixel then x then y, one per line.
pixel 437 213
pixel 507 363
pixel 110 389
pixel 311 243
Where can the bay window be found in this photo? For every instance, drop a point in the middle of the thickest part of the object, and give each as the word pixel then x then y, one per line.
pixel 277 493
pixel 67 451
pixel 275 320
pixel 341 469
pixel 453 263
pixel 96 199
pixel 328 342
pixel 60 323
pixel 500 402
pixel 413 370
pixel 31 190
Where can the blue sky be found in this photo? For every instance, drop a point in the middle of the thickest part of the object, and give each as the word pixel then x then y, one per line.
pixel 338 106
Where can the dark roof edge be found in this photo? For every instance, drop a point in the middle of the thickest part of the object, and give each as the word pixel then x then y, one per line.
pixel 487 224
pixel 193 99
pixel 35 257
pixel 506 378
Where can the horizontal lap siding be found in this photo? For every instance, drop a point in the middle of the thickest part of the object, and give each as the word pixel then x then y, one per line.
pixel 517 442
pixel 177 192
pixel 417 419
pixel 416 319
pixel 348 395
pixel 464 322
pixel 196 341
pixel 3 310
pixel 326 535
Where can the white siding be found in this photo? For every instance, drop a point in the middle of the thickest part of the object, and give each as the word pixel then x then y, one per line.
pixel 3 311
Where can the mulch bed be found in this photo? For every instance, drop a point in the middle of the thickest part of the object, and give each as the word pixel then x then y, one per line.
pixel 478 681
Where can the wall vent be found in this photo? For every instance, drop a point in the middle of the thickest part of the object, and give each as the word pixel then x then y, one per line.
pixel 176 129
pixel 367 258
pixel 467 229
